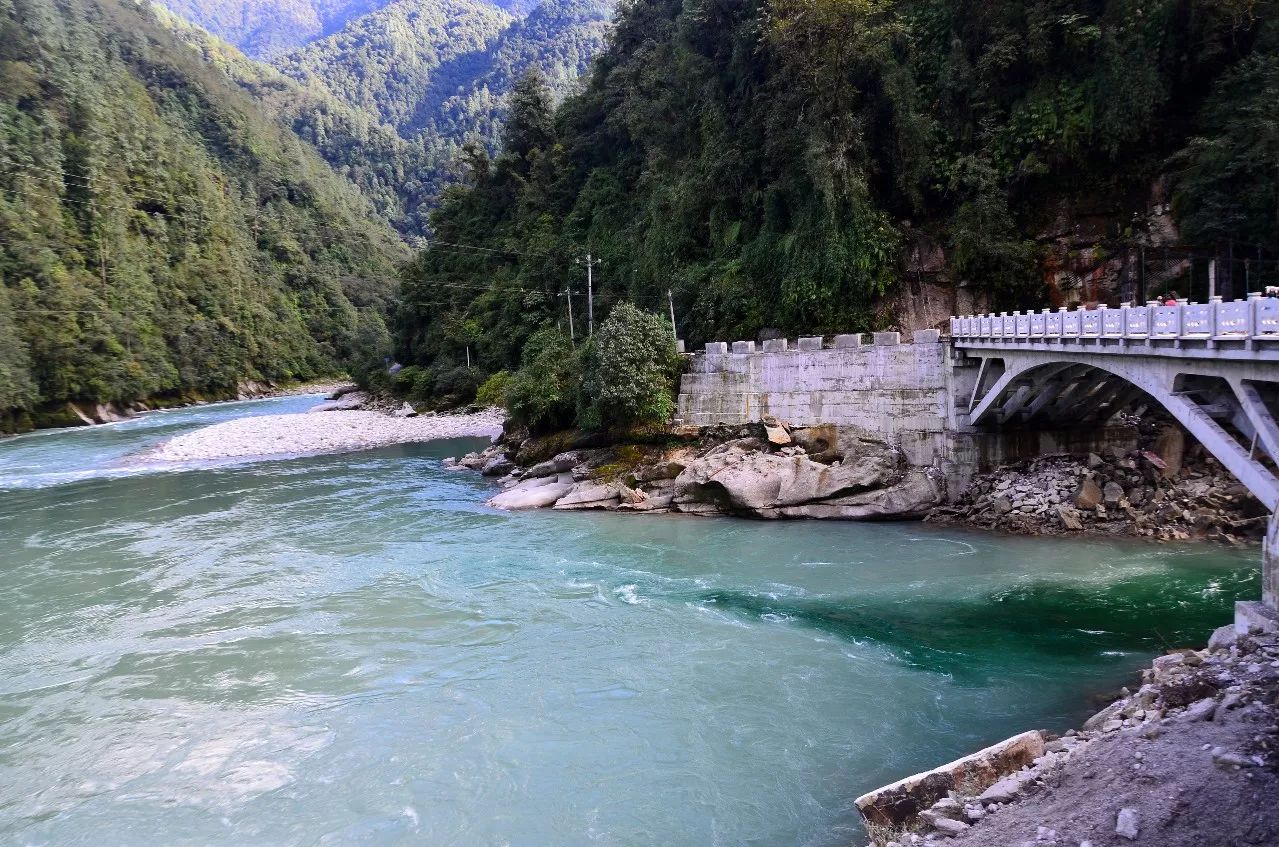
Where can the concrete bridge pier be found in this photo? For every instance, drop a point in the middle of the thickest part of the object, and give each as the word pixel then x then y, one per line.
pixel 1263 615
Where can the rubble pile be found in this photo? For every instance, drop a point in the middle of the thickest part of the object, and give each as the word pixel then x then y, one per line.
pixel 1165 493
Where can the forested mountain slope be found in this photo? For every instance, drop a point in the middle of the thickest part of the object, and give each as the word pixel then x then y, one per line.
pixel 775 163
pixel 439 71
pixel 267 28
pixel 399 176
pixel 159 233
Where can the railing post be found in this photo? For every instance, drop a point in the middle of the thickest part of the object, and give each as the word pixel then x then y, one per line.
pixel 1254 306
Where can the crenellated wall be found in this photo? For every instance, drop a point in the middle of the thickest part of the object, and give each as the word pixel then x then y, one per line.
pixel 887 390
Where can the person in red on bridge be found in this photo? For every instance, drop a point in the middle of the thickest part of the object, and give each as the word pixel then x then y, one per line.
pixel 1170 299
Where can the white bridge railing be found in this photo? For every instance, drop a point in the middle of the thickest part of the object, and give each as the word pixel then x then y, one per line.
pixel 1254 319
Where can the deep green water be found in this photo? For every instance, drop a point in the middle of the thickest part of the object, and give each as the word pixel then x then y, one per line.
pixel 354 650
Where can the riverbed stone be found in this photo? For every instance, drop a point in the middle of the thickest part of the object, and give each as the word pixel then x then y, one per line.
pixel 533 494
pixel 555 465
pixel 590 495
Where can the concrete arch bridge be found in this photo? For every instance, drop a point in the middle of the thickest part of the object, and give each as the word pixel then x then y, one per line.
pixel 1213 366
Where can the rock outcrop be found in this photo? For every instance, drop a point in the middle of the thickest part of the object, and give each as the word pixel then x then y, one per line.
pixel 761 471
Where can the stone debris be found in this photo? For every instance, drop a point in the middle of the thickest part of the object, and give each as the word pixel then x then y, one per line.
pixel 1128 824
pixel 1138 492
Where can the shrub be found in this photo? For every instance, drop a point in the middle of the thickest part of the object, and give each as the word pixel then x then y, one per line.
pixel 456 384
pixel 542 394
pixel 631 368
pixel 493 391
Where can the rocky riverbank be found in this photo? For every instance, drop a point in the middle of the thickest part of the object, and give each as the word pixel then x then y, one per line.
pixel 89 414
pixel 762 470
pixel 1188 759
pixel 1167 489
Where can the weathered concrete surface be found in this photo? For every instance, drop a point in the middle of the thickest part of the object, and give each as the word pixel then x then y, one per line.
pixel 894 393
pixel 903 800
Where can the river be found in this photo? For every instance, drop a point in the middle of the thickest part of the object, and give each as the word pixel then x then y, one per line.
pixel 354 649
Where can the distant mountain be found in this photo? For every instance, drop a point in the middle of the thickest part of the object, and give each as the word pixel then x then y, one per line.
pixel 266 28
pixel 391 60
pixel 391 98
pixel 440 70
pixel 161 234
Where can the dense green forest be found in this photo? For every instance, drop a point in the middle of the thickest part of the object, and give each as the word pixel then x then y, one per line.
pixel 266 28
pixel 435 73
pixel 399 176
pixel 769 162
pixel 160 234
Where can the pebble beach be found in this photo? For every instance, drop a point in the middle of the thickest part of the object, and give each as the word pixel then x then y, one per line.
pixel 320 432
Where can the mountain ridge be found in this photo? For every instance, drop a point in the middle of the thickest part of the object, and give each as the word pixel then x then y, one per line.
pixel 160 235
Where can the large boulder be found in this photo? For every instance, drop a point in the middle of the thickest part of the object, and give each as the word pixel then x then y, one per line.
pixel 348 402
pixel 532 494
pixel 555 465
pixel 590 495
pixel 1088 496
pixel 746 481
pixel 913 497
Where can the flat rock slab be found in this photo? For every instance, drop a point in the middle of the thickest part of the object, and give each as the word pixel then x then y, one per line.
pixel 902 801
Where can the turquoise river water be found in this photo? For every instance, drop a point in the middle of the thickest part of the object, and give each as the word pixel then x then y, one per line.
pixel 355 650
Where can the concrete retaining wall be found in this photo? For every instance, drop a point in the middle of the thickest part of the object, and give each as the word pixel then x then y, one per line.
pixel 890 391
pixel 893 392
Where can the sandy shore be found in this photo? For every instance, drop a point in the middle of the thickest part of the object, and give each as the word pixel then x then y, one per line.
pixel 319 432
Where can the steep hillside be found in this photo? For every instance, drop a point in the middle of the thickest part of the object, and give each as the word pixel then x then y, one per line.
pixel 267 28
pixel 387 62
pixel 400 177
pixel 439 71
pixel 785 165
pixel 159 233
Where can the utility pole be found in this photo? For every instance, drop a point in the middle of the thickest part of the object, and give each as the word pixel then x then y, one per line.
pixel 670 299
pixel 568 293
pixel 590 294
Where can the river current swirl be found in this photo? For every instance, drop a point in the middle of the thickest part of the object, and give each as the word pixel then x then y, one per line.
pixel 355 650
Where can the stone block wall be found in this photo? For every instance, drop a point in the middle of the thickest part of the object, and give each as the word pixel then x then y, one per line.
pixel 894 392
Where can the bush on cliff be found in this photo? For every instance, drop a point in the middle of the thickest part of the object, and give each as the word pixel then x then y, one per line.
pixel 630 370
pixel 493 391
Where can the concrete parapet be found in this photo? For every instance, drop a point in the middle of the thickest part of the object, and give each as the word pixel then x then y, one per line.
pixel 775 345
pixel 810 342
pixel 887 339
pixel 848 342
pixel 743 347
pixel 679 345
pixel 927 336
pixel 716 348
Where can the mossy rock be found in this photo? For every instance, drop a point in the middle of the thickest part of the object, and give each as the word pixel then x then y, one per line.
pixel 539 448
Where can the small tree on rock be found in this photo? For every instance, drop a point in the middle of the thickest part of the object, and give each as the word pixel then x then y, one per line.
pixel 631 367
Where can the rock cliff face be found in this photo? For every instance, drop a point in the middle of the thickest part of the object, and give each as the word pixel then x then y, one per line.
pixel 759 470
